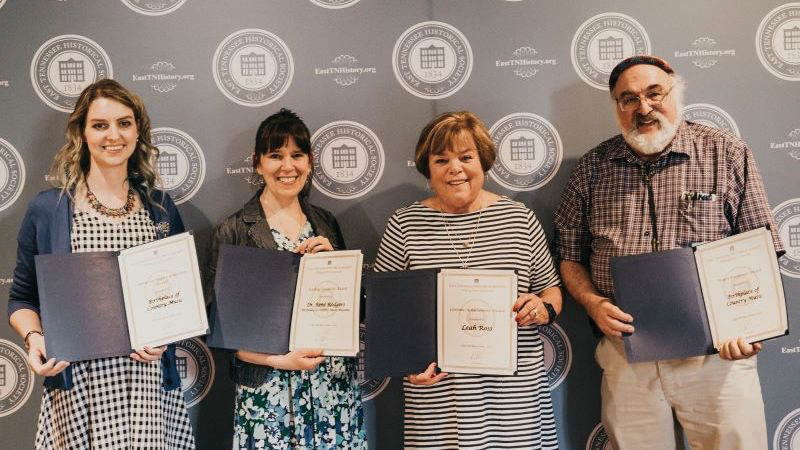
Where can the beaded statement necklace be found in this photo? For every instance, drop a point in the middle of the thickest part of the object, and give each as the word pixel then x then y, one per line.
pixel 105 210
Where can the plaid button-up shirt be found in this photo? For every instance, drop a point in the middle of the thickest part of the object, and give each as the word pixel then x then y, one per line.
pixel 604 209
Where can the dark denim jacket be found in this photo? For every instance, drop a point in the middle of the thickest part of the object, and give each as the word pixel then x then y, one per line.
pixel 46 228
pixel 249 227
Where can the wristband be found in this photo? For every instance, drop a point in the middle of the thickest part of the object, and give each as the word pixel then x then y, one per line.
pixel 28 335
pixel 551 313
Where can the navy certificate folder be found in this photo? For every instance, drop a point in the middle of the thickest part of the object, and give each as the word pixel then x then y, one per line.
pixel 662 292
pixel 254 298
pixel 82 306
pixel 400 322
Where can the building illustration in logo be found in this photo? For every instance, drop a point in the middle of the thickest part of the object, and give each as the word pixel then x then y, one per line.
pixel 610 49
pixel 603 41
pixel 523 149
pixel 153 7
pixel 64 65
pixel 253 67
pixel 180 164
pixel 778 41
pixel 791 38
pixel 180 364
pixel 167 164
pixel 787 218
pixel 12 174
pixel 16 378
pixel 432 60
pixel 529 151
pixel 431 57
pixel 334 4
pixel 344 157
pixel 196 369
pixel 557 354
pixel 369 388
pixel 711 116
pixel 71 71
pixel 787 434
pixel 598 439
pixel 348 159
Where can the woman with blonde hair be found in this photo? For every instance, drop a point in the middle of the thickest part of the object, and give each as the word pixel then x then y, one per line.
pixel 104 200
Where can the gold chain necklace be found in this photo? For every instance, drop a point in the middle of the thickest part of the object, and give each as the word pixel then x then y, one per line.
pixel 467 244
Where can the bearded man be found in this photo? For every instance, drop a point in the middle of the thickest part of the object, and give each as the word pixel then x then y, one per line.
pixel 663 183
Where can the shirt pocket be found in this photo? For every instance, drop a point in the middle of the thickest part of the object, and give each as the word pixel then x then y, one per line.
pixel 701 221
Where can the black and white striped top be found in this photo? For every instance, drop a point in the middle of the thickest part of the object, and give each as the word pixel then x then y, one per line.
pixel 478 411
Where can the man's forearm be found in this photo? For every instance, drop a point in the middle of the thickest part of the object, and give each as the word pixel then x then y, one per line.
pixel 579 284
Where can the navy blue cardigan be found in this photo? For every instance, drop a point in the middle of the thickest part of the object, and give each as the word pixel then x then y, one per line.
pixel 46 228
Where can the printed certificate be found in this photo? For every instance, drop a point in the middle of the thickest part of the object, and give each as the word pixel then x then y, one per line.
pixel 327 302
pixel 162 291
pixel 476 328
pixel 742 287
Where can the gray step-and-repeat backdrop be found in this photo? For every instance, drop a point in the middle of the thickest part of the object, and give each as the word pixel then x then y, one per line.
pixel 367 75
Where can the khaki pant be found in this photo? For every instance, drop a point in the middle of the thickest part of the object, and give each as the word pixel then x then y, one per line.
pixel 717 403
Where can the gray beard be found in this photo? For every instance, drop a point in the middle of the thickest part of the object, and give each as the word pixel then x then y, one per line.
pixel 653 144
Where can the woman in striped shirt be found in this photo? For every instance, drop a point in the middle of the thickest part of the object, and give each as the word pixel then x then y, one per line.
pixel 465 226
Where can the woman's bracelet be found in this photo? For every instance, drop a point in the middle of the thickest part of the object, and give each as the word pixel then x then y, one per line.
pixel 28 335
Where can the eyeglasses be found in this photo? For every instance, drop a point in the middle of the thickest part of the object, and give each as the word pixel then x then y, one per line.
pixel 630 102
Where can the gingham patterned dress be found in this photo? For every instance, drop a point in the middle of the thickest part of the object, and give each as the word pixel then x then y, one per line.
pixel 115 403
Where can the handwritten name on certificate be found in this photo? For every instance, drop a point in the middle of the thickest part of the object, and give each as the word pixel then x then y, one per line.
pixel 476 328
pixel 742 287
pixel 163 293
pixel 326 303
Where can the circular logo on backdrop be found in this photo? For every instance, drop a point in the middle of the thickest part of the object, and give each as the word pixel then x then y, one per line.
pixel 711 116
pixel 12 174
pixel 348 159
pixel 196 369
pixel 557 353
pixel 154 7
pixel 334 4
pixel 64 66
pixel 529 151
pixel 787 435
pixel 369 388
pixel 16 378
pixel 787 218
pixel 432 60
pixel 180 164
pixel 253 67
pixel 598 439
pixel 778 42
pixel 603 41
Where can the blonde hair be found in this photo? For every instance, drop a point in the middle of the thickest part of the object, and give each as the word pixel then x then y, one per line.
pixel 72 162
pixel 441 132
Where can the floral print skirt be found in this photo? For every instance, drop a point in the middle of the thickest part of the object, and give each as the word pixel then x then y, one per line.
pixel 302 410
